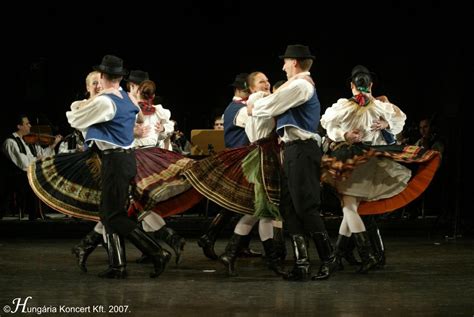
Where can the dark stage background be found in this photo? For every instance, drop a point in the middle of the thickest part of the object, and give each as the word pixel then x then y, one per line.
pixel 193 49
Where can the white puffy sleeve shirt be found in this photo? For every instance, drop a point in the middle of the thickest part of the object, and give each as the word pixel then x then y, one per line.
pixel 296 93
pixel 346 115
pixel 258 127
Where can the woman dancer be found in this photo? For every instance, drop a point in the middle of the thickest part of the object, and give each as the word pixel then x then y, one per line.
pixel 365 170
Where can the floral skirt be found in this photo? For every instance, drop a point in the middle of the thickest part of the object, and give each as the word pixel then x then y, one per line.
pixel 70 183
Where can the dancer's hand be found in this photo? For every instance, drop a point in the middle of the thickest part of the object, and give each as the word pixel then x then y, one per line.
pixel 354 136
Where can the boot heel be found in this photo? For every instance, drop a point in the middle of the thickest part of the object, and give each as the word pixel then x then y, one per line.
pixel 207 246
pixel 171 238
pixel 230 254
pixel 326 254
pixel 229 263
pixel 113 273
pixel 301 270
pixel 117 259
pixel 150 247
pixel 160 263
pixel 272 257
pixel 87 245
pixel 207 240
pixel 365 251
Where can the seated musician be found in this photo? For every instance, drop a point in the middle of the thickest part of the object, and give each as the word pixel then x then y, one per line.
pixel 19 156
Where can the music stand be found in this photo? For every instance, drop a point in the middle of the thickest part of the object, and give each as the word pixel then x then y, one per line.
pixel 207 141
pixel 41 129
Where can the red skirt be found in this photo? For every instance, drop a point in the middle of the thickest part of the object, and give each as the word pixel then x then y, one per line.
pixel 343 158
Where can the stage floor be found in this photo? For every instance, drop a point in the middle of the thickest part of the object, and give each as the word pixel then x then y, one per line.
pixel 423 277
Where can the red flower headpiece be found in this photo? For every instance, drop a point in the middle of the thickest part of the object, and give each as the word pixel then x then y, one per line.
pixel 147 107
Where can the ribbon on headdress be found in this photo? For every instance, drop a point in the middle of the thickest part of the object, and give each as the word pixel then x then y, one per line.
pixel 147 107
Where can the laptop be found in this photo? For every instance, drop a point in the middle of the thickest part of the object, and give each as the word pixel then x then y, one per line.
pixel 207 141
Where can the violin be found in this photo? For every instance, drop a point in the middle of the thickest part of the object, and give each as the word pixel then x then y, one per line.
pixel 39 138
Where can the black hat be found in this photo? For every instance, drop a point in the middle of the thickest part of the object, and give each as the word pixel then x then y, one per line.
pixel 240 81
pixel 360 69
pixel 111 65
pixel 137 76
pixel 297 51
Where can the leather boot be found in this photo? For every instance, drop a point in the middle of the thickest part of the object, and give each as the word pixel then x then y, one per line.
pixel 272 258
pixel 85 248
pixel 349 254
pixel 171 238
pixel 301 270
pixel 207 240
pixel 151 248
pixel 365 251
pixel 280 243
pixel 143 259
pixel 344 250
pixel 230 254
pixel 375 237
pixel 245 250
pixel 326 255
pixel 117 260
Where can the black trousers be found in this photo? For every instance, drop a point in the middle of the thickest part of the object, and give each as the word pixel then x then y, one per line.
pixel 118 169
pixel 300 187
pixel 26 198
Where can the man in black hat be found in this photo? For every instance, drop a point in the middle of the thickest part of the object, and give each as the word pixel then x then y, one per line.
pixel 235 115
pixel 108 121
pixel 135 78
pixel 297 111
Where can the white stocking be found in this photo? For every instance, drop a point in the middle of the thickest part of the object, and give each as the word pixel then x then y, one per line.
pixel 245 225
pixel 344 228
pixel 352 218
pixel 277 223
pixel 152 222
pixel 265 229
pixel 100 229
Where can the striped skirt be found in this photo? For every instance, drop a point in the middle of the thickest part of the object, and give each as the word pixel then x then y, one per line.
pixel 245 180
pixel 70 183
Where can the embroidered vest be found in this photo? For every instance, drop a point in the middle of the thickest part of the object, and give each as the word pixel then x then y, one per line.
pixel 234 136
pixel 305 116
pixel 119 130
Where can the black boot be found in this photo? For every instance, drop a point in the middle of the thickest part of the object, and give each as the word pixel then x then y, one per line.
pixel 272 258
pixel 230 254
pixel 151 248
pixel 301 270
pixel 365 251
pixel 344 250
pixel 207 240
pixel 326 255
pixel 171 238
pixel 85 248
pixel 378 246
pixel 280 243
pixel 117 260
pixel 349 254
pixel 245 250
pixel 143 259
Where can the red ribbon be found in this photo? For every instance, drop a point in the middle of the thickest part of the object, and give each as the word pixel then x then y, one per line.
pixel 147 107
